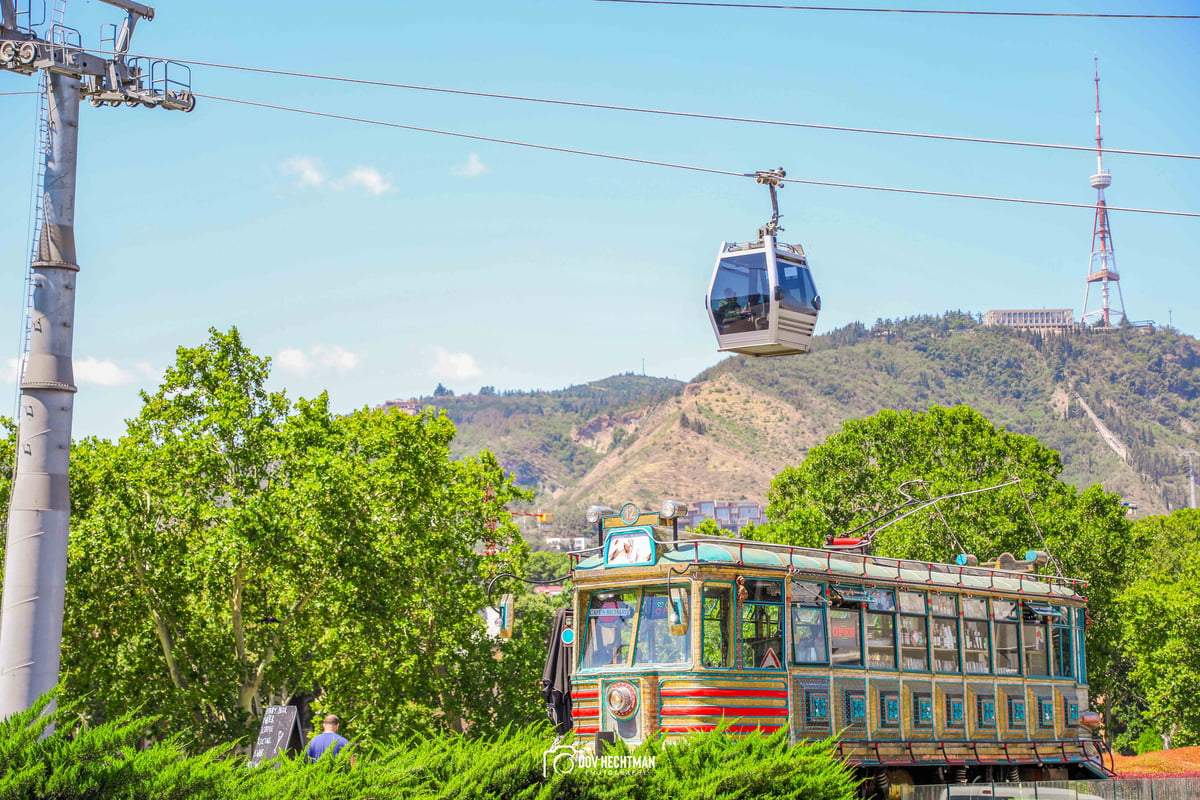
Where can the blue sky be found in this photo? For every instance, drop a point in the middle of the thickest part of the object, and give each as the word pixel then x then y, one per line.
pixel 375 263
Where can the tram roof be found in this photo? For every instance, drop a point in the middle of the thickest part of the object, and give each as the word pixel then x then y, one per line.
pixel 832 565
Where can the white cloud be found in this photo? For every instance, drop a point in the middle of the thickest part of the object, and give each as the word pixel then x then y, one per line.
pixel 454 366
pixel 102 373
pixel 472 169
pixel 308 170
pixel 368 178
pixel 319 358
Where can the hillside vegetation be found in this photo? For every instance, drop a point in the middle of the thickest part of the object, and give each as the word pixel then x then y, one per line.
pixel 1117 404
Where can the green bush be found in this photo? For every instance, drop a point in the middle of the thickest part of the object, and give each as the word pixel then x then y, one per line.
pixel 80 762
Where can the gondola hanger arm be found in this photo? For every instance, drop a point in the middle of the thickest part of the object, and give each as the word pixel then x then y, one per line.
pixel 773 180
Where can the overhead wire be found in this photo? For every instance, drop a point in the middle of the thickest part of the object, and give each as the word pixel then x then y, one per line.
pixel 671 113
pixel 932 11
pixel 674 165
pixel 13 94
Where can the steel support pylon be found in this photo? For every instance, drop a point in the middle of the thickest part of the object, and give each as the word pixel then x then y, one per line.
pixel 35 564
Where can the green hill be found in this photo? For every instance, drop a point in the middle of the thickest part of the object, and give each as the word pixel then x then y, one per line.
pixel 1117 404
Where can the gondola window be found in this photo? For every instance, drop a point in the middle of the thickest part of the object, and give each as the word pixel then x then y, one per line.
pixel 741 294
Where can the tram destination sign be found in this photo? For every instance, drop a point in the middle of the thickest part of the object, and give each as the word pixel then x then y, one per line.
pixel 280 732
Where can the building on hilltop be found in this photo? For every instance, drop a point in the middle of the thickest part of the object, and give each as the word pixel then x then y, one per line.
pixel 410 407
pixel 1043 320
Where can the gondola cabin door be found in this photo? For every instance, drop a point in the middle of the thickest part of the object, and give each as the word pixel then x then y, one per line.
pixel 762 301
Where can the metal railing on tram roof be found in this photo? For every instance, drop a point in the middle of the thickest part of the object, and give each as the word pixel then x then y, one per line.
pixel 953 571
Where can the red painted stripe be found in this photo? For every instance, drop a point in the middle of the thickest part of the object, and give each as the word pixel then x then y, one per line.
pixel 731 728
pixel 721 711
pixel 583 729
pixel 585 695
pixel 780 693
pixel 586 712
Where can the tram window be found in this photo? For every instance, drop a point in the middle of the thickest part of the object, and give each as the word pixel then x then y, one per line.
pixel 944 633
pixel 914 645
pixel 975 608
pixel 845 640
pixel 1037 655
pixel 797 291
pixel 881 640
pixel 611 619
pixel 808 635
pixel 977 655
pixel 741 293
pixel 716 633
pixel 762 636
pixel 912 603
pixel 763 591
pixel 1063 663
pixel 1080 626
pixel 655 642
pixel 1008 649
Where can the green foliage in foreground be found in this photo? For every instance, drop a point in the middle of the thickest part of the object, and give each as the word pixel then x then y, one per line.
pixel 103 761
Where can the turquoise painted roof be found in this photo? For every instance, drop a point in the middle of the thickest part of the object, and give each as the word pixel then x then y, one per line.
pixel 838 564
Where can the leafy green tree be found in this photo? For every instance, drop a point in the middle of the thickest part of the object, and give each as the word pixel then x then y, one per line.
pixel 546 565
pixel 856 476
pixel 1160 616
pixel 709 527
pixel 234 549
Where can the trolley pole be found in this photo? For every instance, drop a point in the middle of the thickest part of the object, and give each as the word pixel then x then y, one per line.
pixel 31 613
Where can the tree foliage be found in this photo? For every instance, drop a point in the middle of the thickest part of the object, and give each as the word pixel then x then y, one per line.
pixel 235 549
pixel 856 476
pixel 1160 617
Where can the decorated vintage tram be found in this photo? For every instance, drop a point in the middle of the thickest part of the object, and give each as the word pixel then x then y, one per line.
pixel 925 672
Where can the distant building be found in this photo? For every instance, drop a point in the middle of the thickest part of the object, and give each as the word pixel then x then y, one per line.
pixel 410 407
pixel 732 516
pixel 1044 320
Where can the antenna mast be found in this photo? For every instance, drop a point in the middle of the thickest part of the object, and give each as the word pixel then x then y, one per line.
pixel 1102 268
pixel 31 616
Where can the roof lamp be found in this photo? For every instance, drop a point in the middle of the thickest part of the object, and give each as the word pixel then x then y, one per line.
pixel 594 513
pixel 672 509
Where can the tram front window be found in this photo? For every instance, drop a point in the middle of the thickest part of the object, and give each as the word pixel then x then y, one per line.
pixel 610 625
pixel 796 289
pixel 716 622
pixel 740 294
pixel 655 642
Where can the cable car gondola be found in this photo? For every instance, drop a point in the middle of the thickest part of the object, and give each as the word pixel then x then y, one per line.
pixel 762 300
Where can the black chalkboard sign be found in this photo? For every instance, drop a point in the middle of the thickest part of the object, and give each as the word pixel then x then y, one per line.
pixel 280 731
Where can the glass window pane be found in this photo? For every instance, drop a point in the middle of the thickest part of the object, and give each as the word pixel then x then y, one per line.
pixel 741 293
pixel 844 639
pixel 762 636
pixel 611 617
pixel 975 608
pixel 717 622
pixel 881 640
pixel 1008 651
pixel 1005 609
pixel 807 593
pixel 808 635
pixel 943 604
pixel 881 600
pixel 1063 663
pixel 976 647
pixel 944 634
pixel 797 289
pixel 655 642
pixel 763 591
pixel 914 645
pixel 1037 661
pixel 912 603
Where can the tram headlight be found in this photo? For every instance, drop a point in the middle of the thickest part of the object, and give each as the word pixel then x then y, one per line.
pixel 622 699
pixel 594 513
pixel 672 509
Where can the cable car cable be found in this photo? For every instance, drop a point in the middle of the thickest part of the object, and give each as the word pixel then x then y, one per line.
pixel 685 114
pixel 12 94
pixel 861 10
pixel 656 163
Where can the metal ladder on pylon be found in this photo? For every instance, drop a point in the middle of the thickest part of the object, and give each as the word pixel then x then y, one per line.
pixel 38 206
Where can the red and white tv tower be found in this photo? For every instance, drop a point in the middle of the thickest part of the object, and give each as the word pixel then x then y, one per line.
pixel 1103 266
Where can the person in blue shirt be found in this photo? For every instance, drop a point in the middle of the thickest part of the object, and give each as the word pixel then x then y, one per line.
pixel 328 741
